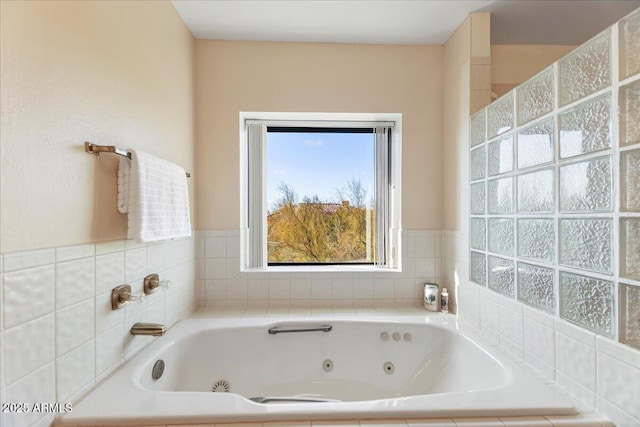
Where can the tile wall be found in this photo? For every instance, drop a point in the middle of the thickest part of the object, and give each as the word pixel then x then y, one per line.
pixel 221 284
pixel 552 250
pixel 59 334
pixel 601 374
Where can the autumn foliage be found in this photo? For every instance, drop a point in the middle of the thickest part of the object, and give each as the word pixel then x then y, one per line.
pixel 313 231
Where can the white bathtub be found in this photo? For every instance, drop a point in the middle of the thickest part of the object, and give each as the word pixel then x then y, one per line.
pixel 437 371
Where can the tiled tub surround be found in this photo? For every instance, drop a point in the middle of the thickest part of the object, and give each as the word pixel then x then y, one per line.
pixel 603 375
pixel 553 246
pixel 59 334
pixel 222 284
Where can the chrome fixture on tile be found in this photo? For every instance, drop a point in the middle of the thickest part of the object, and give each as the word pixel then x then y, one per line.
pixel 122 295
pixel 152 282
pixel 153 329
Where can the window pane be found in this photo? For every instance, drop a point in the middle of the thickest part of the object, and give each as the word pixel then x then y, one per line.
pixel 320 197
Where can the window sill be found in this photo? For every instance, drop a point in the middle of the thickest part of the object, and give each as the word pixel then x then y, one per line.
pixel 323 269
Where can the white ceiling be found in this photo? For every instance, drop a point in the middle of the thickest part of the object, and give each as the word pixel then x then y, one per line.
pixel 398 21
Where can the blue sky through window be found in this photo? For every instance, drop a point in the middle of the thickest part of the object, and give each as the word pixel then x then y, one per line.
pixel 318 163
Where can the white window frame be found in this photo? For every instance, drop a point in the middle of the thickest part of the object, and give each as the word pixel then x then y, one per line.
pixel 255 260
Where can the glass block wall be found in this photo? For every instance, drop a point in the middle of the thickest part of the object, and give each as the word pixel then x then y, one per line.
pixel 555 188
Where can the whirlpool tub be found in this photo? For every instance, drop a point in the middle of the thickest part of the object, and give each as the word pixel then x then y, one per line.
pixel 260 369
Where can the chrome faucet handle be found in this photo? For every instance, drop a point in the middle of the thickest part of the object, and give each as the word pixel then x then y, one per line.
pixel 122 295
pixel 152 282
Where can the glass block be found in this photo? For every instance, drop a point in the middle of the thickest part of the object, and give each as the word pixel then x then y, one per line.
pixel 501 156
pixel 500 196
pixel 630 248
pixel 586 186
pixel 586 243
pixel 478 198
pixel 535 97
pixel 629 36
pixel 501 236
pixel 630 315
pixel 536 239
pixel 500 115
pixel 587 301
pixel 535 191
pixel 535 286
pixel 535 144
pixel 501 276
pixel 477 128
pixel 478 270
pixel 478 163
pixel 630 181
pixel 478 233
pixel 630 114
pixel 586 128
pixel 586 70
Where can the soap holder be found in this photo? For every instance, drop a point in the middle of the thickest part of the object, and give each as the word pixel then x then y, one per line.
pixel 152 282
pixel 122 295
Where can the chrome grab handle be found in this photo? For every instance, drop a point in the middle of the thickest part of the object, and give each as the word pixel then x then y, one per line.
pixel 301 328
pixel 273 399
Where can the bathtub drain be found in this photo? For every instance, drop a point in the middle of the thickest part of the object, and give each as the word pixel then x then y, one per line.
pixel 221 386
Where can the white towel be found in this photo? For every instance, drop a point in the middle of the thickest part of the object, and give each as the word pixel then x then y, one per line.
pixel 155 195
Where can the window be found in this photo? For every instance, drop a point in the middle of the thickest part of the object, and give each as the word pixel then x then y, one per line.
pixel 320 192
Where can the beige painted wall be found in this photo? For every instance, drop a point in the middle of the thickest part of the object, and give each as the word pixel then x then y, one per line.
pixel 114 73
pixel 307 77
pixel 456 88
pixel 515 64
pixel 467 89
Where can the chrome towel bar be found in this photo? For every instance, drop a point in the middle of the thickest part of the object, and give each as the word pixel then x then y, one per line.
pixel 96 149
pixel 299 328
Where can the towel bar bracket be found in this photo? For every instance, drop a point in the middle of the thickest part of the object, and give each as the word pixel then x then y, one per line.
pixel 97 149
